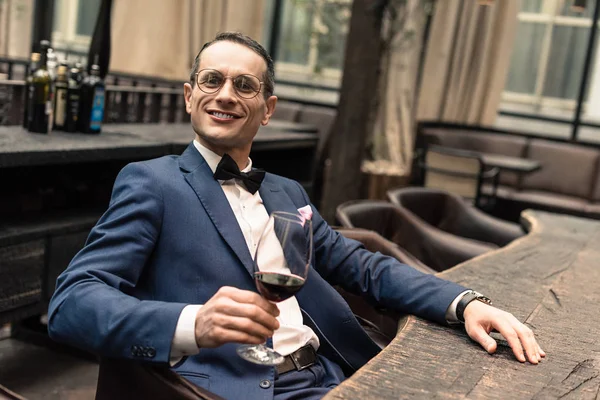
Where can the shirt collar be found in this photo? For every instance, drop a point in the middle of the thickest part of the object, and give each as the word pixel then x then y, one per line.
pixel 212 158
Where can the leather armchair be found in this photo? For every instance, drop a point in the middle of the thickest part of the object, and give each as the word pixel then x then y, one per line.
pixel 374 242
pixel 448 212
pixel 433 247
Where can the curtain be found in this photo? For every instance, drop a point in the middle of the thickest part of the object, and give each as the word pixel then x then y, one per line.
pixel 391 141
pixel 161 38
pixel 464 69
pixel 16 18
pixel 468 56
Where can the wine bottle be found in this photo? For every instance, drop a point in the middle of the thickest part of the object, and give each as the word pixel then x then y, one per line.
pixel 61 86
pixel 35 60
pixel 73 96
pixel 91 105
pixel 41 105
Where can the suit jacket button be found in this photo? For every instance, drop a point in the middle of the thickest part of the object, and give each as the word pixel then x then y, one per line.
pixel 134 351
pixel 150 353
pixel 265 384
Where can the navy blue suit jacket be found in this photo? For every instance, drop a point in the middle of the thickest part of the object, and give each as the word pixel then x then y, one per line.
pixel 169 238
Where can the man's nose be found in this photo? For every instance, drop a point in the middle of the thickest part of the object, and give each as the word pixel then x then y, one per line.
pixel 227 92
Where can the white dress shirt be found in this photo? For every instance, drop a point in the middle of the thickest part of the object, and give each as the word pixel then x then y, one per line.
pixel 252 217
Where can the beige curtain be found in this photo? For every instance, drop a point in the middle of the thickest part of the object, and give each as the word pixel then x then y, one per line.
pixel 161 38
pixel 467 58
pixel 16 19
pixel 392 140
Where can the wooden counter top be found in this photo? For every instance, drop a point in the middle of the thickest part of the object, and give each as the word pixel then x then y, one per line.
pixel 550 279
pixel 125 141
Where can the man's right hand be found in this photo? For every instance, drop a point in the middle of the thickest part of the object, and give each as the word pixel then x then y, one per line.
pixel 235 315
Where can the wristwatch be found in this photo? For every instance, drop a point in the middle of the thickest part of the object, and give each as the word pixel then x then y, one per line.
pixel 468 297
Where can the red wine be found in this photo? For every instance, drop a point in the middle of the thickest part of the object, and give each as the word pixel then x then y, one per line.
pixel 277 287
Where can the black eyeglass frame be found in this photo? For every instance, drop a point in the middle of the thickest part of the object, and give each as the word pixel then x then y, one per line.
pixel 233 78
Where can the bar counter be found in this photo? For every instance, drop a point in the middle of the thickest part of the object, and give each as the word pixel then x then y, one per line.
pixel 550 279
pixel 128 141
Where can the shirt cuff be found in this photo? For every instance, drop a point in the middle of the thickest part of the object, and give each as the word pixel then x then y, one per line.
pixel 451 317
pixel 184 340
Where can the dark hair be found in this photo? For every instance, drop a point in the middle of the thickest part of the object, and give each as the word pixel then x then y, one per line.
pixel 237 37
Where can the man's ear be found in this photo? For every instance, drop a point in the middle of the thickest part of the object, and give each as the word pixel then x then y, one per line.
pixel 187 94
pixel 271 102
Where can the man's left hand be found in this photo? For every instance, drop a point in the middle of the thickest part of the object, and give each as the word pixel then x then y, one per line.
pixel 481 318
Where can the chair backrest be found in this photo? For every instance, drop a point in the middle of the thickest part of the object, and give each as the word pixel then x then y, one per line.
pixel 374 242
pixel 456 171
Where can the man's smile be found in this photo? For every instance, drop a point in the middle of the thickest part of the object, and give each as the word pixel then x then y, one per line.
pixel 223 115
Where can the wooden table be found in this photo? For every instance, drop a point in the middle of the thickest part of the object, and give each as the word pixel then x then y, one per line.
pixel 508 163
pixel 550 279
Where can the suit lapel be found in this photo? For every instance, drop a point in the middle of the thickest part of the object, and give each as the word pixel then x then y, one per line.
pixel 199 176
pixel 275 199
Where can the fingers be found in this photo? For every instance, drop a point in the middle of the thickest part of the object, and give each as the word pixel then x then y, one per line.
pixel 513 339
pixel 480 335
pixel 480 319
pixel 234 315
pixel 231 308
pixel 520 337
pixel 245 296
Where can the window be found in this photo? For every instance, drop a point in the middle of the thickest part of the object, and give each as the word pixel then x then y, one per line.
pixel 73 25
pixel 548 57
pixel 312 41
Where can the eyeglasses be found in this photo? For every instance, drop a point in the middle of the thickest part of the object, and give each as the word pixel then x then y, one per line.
pixel 211 81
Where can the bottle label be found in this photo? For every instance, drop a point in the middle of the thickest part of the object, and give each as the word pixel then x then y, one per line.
pixel 61 107
pixel 97 109
pixel 73 107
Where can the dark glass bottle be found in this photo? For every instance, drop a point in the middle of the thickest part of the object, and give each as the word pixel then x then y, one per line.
pixel 35 60
pixel 91 104
pixel 41 92
pixel 73 95
pixel 60 98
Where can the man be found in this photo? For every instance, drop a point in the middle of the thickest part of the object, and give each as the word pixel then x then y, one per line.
pixel 165 275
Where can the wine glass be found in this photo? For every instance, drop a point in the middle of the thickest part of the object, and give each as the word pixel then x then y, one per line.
pixel 281 264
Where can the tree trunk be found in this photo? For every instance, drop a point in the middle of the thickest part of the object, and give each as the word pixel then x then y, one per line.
pixel 358 97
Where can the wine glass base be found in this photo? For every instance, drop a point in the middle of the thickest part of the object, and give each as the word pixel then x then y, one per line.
pixel 260 354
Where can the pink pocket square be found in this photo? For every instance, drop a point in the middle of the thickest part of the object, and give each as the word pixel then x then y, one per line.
pixel 306 212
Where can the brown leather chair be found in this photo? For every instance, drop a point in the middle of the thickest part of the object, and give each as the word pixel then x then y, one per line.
pixel 126 379
pixel 376 243
pixel 448 212
pixel 433 247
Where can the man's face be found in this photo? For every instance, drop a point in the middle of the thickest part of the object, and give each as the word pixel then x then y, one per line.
pixel 224 121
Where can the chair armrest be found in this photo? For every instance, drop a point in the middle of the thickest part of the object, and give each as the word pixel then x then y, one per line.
pixel 480 226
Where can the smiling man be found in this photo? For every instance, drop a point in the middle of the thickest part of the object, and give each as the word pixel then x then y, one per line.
pixel 166 274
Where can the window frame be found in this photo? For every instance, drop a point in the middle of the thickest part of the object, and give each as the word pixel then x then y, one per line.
pixel 302 72
pixel 549 16
pixel 64 32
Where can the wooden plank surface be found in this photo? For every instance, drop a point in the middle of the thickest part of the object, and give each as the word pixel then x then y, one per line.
pixel 551 280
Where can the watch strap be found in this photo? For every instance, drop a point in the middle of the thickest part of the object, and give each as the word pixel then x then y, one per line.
pixel 466 300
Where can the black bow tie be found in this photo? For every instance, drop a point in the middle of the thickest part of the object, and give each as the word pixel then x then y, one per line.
pixel 228 169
